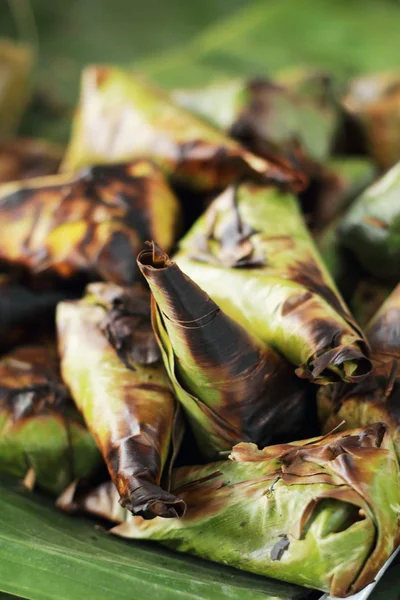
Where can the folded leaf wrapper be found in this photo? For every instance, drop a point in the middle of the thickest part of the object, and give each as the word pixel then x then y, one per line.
pixel 322 513
pixel 121 116
pixel 16 62
pixel 232 387
pixel 91 224
pixel 271 115
pixel 111 363
pixel 252 253
pixel 374 102
pixel 41 432
pixel 371 228
pixel 26 158
pixel 378 397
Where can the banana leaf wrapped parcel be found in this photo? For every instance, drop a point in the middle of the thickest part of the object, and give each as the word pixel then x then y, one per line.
pixel 232 388
pixel 321 513
pixel 371 227
pixel 252 253
pixel 111 364
pixel 41 432
pixel 24 158
pixel 91 224
pixel 373 101
pixel 121 116
pixel 378 397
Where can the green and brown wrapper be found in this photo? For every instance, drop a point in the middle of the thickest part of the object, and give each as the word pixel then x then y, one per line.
pixel 111 364
pixel 371 227
pixel 252 253
pixel 378 397
pixel 232 387
pixel 41 431
pixel 373 101
pixel 92 224
pixel 121 116
pixel 322 513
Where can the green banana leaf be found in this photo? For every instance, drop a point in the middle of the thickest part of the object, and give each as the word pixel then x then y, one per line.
pixel 90 225
pixel 41 432
pixel 231 387
pixel 121 116
pixel 111 363
pixel 378 397
pixel 321 513
pixel 45 555
pixel 373 100
pixel 368 296
pixel 269 114
pixel 371 227
pixel 26 158
pixel 16 63
pixel 253 254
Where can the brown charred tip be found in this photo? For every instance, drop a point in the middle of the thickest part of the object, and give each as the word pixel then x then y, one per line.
pixel 149 503
pixel 153 257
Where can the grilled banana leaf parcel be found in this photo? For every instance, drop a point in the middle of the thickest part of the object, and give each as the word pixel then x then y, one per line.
pixel 322 513
pixel 232 387
pixel 92 224
pixel 16 62
pixel 27 158
pixel 121 116
pixel 374 102
pixel 111 363
pixel 371 228
pixel 270 115
pixel 252 253
pixel 377 398
pixel 42 435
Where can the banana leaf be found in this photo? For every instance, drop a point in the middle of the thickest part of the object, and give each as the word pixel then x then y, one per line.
pixel 377 398
pixel 333 186
pixel 252 253
pixel 111 363
pixel 41 433
pixel 231 387
pixel 269 114
pixel 374 101
pixel 89 225
pixel 26 158
pixel 368 296
pixel 16 62
pixel 371 227
pixel 121 116
pixel 322 513
pixel 46 554
pixel 24 312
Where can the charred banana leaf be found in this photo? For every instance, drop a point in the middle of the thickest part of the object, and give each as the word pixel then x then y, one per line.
pixel 121 117
pixel 252 253
pixel 27 158
pixel 374 102
pixel 232 387
pixel 371 228
pixel 377 398
pixel 41 434
pixel 16 61
pixel 322 513
pixel 111 363
pixel 92 224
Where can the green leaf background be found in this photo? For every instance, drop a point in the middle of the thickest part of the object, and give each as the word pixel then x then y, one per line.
pixel 45 555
